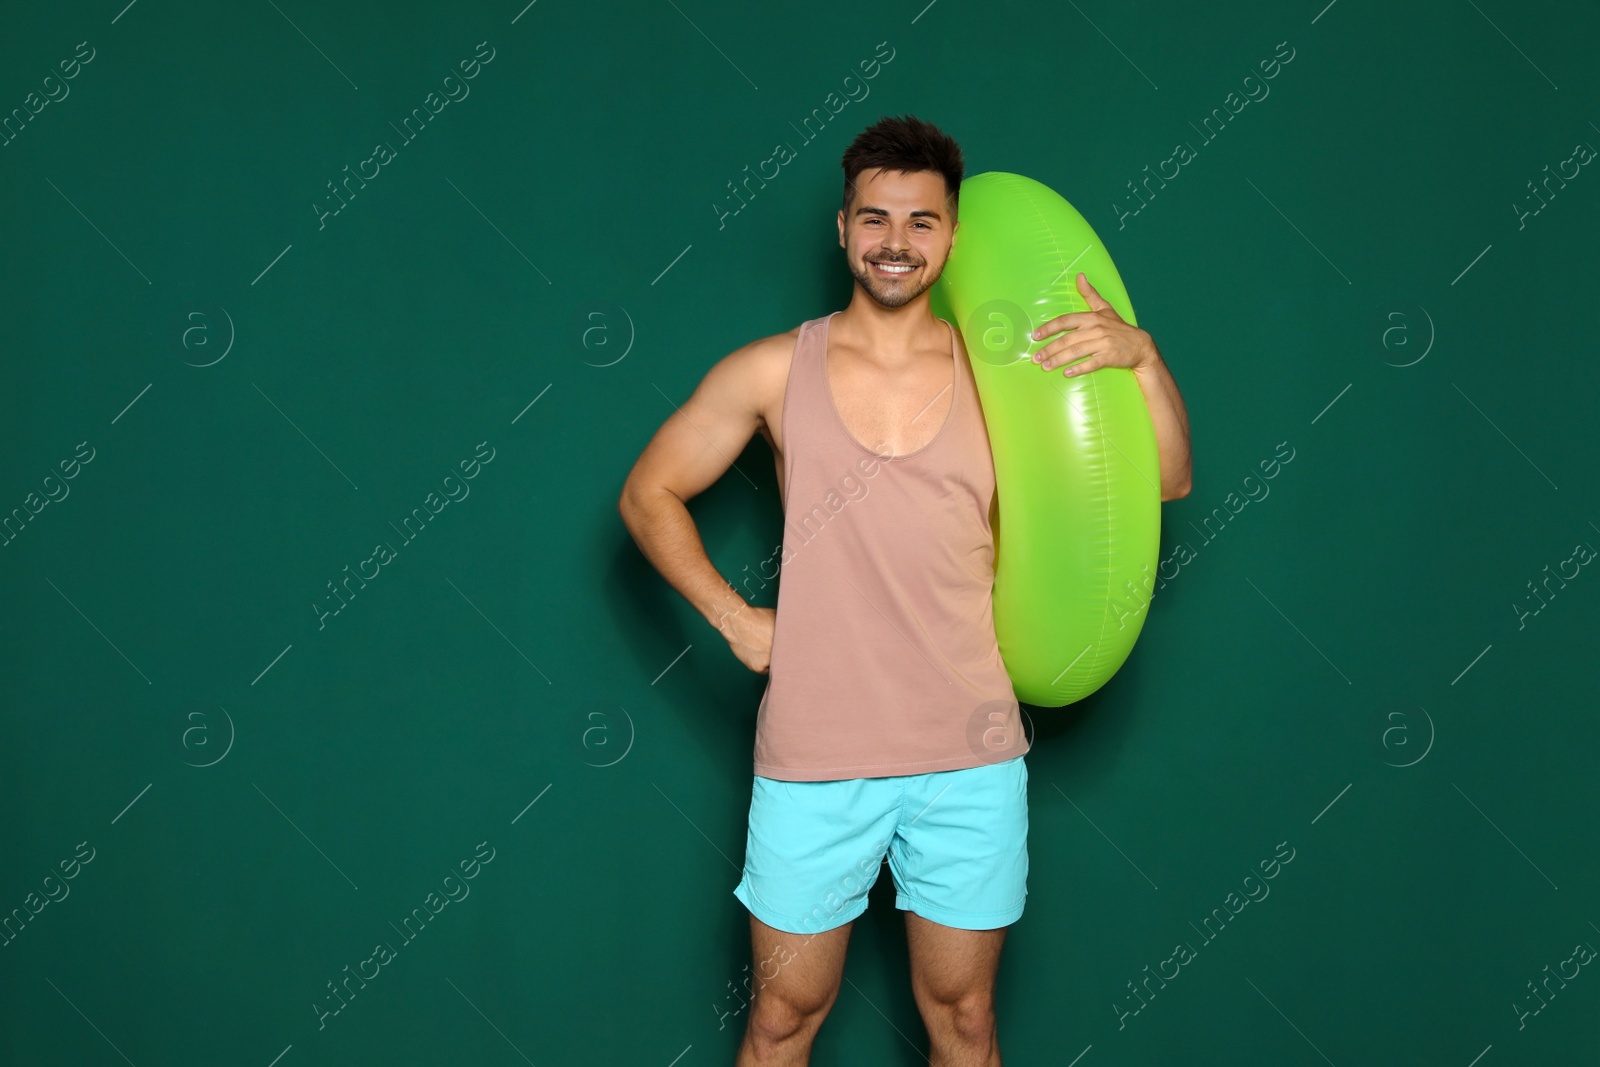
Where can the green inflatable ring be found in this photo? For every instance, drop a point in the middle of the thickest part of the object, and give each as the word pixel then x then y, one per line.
pixel 1077 474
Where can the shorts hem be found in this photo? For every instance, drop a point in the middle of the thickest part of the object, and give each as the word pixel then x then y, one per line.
pixel 791 925
pixel 961 920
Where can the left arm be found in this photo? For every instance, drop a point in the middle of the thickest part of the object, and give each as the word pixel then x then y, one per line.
pixel 1171 421
pixel 1101 338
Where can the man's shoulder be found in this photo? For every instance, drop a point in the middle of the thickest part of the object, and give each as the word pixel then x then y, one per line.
pixel 753 378
pixel 775 348
pixel 762 365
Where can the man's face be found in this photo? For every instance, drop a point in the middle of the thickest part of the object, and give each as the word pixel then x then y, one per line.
pixel 897 220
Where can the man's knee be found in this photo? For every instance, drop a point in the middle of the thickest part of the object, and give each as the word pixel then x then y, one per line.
pixel 797 981
pixel 970 1014
pixel 973 1018
pixel 778 1015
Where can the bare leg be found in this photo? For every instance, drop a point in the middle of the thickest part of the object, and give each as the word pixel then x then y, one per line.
pixel 797 980
pixel 952 977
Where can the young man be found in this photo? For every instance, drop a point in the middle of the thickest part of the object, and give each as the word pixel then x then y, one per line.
pixel 889 726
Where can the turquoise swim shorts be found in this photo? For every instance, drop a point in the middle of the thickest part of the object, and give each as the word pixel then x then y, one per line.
pixel 957 844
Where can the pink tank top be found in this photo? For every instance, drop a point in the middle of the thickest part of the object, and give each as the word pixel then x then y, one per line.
pixel 884 657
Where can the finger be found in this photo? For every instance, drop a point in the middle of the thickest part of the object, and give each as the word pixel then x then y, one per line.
pixel 1092 363
pixel 1064 354
pixel 1054 348
pixel 1070 321
pixel 1077 344
pixel 1090 294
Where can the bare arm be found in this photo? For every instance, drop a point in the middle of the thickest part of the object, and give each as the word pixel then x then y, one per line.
pixel 692 449
pixel 1171 422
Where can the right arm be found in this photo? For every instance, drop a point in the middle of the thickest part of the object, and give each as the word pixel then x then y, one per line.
pixel 692 449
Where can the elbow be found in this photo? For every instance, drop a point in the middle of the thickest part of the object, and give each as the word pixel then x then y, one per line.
pixel 635 502
pixel 1178 488
pixel 628 504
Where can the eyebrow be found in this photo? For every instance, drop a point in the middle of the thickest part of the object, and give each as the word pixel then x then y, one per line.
pixel 885 214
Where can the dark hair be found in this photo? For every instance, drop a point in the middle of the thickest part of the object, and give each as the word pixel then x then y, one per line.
pixel 905 145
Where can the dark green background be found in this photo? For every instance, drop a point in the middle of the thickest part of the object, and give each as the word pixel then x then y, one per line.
pixel 162 614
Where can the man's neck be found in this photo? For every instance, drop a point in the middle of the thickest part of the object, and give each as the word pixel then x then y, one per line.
pixel 892 334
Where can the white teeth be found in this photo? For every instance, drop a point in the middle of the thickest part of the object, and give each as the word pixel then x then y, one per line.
pixel 893 269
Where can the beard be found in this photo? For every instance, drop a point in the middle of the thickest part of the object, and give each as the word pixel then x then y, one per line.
pixel 891 292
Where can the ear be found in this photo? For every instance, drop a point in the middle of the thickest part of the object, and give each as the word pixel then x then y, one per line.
pixel 841 228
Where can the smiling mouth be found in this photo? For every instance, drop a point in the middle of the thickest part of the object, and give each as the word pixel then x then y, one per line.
pixel 893 270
